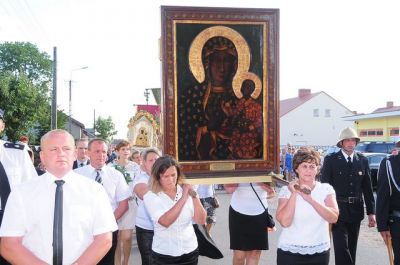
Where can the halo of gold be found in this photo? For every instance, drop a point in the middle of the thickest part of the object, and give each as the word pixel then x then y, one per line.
pixel 243 51
pixel 238 80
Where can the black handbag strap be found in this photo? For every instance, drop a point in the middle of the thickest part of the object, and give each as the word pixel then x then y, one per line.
pixel 258 197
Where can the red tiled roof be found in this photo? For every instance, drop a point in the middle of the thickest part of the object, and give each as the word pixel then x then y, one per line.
pixel 386 109
pixel 290 104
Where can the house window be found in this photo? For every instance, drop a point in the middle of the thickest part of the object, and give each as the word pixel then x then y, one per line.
pixel 327 113
pixel 316 112
pixel 371 132
pixel 363 133
pixel 394 131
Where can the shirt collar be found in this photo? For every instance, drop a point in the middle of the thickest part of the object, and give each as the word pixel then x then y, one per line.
pixel 95 169
pixel 346 155
pixel 67 177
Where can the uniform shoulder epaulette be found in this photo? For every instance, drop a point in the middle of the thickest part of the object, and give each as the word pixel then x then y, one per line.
pixel 14 146
pixel 360 154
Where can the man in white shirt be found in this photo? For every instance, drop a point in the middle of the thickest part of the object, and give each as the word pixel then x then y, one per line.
pixel 15 167
pixel 82 158
pixel 86 219
pixel 113 182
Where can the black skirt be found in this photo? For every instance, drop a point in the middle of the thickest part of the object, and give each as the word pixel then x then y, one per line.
pixel 186 259
pixel 248 232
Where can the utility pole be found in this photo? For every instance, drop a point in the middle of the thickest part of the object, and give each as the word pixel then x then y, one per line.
pixel 146 95
pixel 94 122
pixel 70 96
pixel 70 106
pixel 54 92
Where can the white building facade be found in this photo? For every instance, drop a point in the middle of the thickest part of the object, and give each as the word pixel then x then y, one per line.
pixel 312 119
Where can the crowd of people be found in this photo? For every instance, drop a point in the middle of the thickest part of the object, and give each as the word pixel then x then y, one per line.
pixel 83 210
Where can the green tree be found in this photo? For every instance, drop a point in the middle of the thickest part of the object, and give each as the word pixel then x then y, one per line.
pixel 25 75
pixel 105 128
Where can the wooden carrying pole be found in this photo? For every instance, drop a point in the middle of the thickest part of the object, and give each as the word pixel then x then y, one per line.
pixel 390 251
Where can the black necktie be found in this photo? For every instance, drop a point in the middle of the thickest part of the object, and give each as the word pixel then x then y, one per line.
pixel 349 163
pixel 81 165
pixel 98 176
pixel 4 187
pixel 57 224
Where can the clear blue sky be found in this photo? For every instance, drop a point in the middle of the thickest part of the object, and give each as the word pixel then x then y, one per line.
pixel 349 49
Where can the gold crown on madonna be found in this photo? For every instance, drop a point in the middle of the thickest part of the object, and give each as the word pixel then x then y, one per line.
pixel 219 44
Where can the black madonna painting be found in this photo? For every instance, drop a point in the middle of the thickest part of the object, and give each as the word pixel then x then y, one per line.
pixel 220 87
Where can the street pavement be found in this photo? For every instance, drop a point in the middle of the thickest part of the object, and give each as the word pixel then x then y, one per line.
pixel 371 249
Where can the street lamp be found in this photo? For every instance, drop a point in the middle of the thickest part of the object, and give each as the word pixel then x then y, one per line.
pixel 70 95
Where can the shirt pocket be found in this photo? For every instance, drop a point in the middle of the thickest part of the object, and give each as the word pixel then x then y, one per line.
pixel 80 221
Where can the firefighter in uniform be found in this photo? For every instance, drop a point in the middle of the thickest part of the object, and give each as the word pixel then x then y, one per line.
pixel 388 202
pixel 349 174
pixel 15 167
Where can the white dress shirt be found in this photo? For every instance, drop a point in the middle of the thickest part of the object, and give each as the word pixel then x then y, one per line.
pixel 142 216
pixel 205 191
pixel 17 164
pixel 30 211
pixel 179 238
pixel 113 182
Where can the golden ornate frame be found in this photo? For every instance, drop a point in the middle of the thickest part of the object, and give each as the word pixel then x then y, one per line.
pixel 225 22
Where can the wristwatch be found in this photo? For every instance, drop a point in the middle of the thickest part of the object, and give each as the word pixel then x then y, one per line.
pixel 192 193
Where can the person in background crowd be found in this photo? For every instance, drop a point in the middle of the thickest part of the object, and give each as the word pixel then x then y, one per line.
pixel 135 157
pixel 126 223
pixel 16 167
pixel 282 161
pixel 248 221
pixel 27 232
pixel 82 158
pixel 288 163
pixel 24 140
pixel 172 209
pixel 113 182
pixel 210 203
pixel 349 174
pixel 388 202
pixel 111 155
pixel 144 225
pixel 305 214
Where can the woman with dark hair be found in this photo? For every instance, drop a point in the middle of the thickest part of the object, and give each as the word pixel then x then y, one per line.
pixel 306 207
pixel 172 209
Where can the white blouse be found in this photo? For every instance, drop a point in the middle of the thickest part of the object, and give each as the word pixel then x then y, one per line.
pixel 245 201
pixel 142 216
pixel 179 238
pixel 309 232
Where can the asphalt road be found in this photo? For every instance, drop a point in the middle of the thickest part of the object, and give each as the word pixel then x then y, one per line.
pixel 371 249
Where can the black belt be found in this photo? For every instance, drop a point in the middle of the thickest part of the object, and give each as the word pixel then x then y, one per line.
pixel 349 200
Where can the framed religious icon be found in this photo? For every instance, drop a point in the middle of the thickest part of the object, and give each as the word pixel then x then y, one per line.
pixel 220 90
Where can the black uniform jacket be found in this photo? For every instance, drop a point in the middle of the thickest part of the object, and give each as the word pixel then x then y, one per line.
pixel 388 197
pixel 349 183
